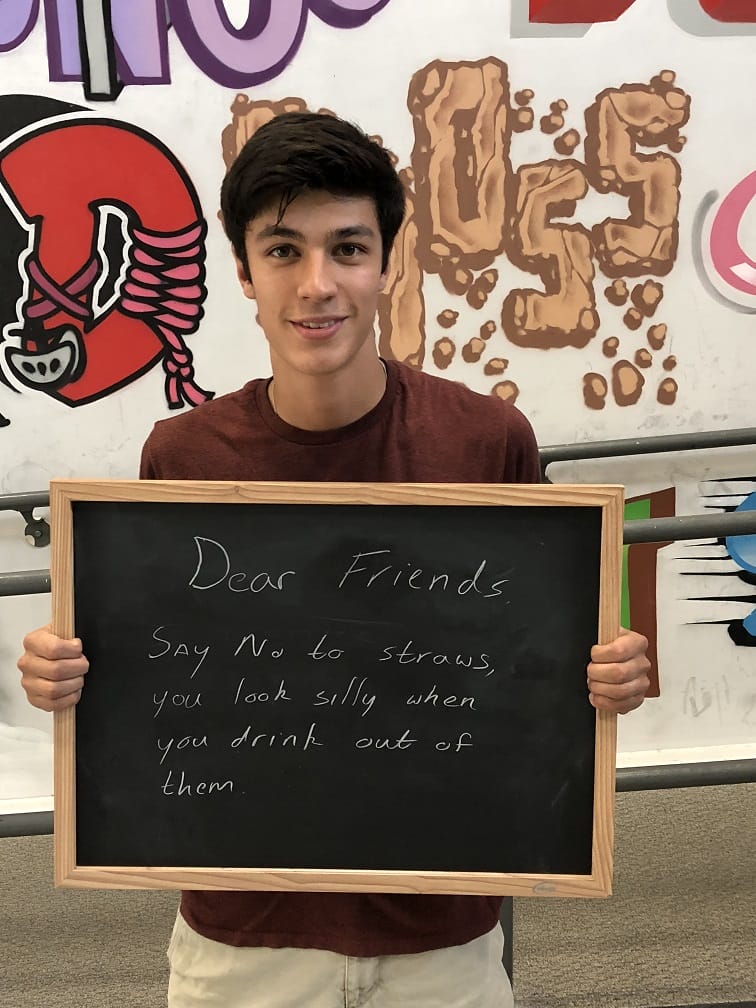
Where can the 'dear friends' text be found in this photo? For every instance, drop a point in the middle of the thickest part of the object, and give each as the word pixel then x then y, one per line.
pixel 367 570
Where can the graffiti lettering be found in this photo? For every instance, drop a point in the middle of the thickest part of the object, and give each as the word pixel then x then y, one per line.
pixel 561 253
pixel 460 161
pixel 99 70
pixel 571 12
pixel 17 18
pixel 728 258
pixel 241 57
pixel 265 44
pixel 742 11
pixel 577 11
pixel 127 43
pixel 467 207
pixel 618 121
pixel 132 39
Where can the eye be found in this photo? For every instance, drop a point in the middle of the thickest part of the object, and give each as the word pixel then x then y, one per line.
pixel 348 250
pixel 282 252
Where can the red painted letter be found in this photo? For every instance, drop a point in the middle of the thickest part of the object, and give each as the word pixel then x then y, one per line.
pixel 581 11
pixel 743 11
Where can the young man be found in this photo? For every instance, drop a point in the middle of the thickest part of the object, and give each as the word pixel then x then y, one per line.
pixel 312 207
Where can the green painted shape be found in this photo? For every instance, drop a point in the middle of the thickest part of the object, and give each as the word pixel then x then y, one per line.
pixel 633 510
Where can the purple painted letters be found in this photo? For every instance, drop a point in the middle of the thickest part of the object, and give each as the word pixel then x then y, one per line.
pixel 265 44
pixel 62 40
pixel 234 57
pixel 239 57
pixel 17 18
pixel 346 13
pixel 139 32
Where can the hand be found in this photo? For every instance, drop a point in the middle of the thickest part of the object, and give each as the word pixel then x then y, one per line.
pixel 52 670
pixel 618 673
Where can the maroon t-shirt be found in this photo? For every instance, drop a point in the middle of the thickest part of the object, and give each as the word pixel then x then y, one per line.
pixel 424 430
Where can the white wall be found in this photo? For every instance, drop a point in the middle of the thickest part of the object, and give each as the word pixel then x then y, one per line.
pixel 363 75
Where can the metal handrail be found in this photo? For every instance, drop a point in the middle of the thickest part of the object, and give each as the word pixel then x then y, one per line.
pixel 24 501
pixel 32 582
pixel 658 444
pixel 646 446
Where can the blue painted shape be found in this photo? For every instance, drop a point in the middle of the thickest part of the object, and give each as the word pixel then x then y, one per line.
pixel 742 548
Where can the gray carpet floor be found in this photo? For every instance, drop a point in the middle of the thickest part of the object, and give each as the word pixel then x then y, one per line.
pixel 680 929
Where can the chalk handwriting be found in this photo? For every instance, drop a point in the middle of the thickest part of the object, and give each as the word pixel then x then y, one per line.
pixel 406 656
pixel 188 741
pixel 433 698
pixel 187 790
pixel 310 659
pixel 403 741
pixel 350 697
pixel 186 700
pixel 265 739
pixel 457 746
pixel 179 650
pixel 262 696
pixel 256 648
pixel 317 654
pixel 214 569
pixel 407 575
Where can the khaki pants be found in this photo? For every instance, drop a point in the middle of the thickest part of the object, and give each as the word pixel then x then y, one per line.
pixel 205 972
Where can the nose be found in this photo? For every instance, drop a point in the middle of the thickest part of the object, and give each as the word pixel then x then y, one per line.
pixel 316 280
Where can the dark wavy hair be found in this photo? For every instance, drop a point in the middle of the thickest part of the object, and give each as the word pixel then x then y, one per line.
pixel 299 152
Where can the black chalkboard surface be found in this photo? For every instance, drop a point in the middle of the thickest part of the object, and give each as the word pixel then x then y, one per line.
pixel 389 692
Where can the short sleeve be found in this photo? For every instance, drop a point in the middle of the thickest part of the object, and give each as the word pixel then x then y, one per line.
pixel 147 469
pixel 523 463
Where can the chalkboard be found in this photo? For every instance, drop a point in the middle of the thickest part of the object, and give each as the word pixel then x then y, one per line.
pixel 335 686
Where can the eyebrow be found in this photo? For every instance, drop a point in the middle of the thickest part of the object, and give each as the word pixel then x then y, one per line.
pixel 339 234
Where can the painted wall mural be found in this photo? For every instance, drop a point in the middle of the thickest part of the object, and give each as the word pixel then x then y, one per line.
pixel 107 45
pixel 581 240
pixel 723 571
pixel 102 272
pixel 639 576
pixel 729 268
pixel 468 205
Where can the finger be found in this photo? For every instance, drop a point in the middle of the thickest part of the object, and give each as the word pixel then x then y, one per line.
pixel 620 675
pixel 34 667
pixel 53 696
pixel 619 697
pixel 628 645
pixel 620 650
pixel 44 643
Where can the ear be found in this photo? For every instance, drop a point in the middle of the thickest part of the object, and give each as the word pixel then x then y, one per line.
pixel 382 279
pixel 244 278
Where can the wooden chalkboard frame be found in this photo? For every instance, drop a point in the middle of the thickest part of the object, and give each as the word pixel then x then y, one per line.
pixel 68 873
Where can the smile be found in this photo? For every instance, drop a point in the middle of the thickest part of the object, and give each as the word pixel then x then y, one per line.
pixel 319 328
pixel 319 325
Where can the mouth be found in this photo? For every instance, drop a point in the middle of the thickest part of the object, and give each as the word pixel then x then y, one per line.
pixel 318 328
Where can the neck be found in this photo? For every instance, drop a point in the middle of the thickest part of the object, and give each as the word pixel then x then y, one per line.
pixel 327 401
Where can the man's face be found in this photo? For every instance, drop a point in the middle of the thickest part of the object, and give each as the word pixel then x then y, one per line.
pixel 316 276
